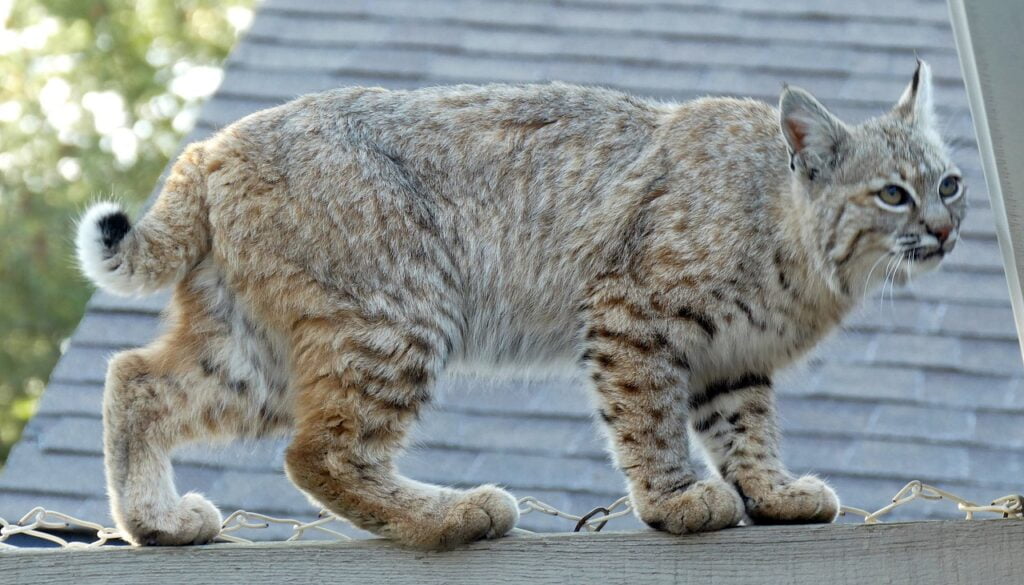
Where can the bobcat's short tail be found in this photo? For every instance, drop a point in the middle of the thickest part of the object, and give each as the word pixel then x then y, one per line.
pixel 162 247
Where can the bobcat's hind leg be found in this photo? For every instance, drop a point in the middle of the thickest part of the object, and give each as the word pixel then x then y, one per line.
pixel 155 399
pixel 360 386
pixel 142 423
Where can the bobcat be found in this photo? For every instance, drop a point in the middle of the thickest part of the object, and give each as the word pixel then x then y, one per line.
pixel 331 256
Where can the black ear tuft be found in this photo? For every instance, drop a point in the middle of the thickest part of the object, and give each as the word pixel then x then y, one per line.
pixel 916 81
pixel 916 102
pixel 113 228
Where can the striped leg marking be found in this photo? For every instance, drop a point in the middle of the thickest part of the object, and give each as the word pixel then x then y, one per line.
pixel 641 384
pixel 735 420
pixel 359 389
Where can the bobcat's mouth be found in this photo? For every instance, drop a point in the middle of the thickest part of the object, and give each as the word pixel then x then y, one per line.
pixel 917 261
pixel 924 254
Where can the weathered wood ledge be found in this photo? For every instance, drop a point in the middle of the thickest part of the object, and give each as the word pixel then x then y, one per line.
pixel 982 551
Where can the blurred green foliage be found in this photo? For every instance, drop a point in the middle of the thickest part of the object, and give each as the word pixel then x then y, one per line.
pixel 96 95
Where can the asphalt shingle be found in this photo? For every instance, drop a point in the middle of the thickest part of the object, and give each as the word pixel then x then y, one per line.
pixel 82 364
pixel 925 462
pixel 116 328
pixel 70 399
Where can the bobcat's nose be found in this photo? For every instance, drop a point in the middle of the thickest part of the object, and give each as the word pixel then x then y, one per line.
pixel 941 232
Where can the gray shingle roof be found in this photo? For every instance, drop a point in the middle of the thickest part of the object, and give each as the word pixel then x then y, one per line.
pixel 924 383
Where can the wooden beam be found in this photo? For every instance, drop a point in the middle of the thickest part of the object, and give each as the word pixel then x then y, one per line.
pixel 980 551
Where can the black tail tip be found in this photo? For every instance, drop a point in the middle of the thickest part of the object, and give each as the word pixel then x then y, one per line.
pixel 113 228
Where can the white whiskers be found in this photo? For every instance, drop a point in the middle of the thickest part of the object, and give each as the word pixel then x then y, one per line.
pixel 867 280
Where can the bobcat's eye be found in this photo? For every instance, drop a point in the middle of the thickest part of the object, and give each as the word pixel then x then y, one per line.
pixel 893 196
pixel 949 187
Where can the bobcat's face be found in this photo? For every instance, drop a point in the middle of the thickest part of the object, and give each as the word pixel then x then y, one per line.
pixel 890 199
pixel 898 201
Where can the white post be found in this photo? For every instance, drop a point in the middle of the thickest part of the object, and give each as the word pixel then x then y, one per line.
pixel 990 40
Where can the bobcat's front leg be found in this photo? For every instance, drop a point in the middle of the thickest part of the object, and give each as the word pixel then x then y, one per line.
pixel 735 418
pixel 641 380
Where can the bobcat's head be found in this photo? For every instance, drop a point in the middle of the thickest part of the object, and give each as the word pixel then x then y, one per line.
pixel 888 198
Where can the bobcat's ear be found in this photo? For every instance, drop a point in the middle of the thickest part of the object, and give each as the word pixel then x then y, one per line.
pixel 916 102
pixel 813 134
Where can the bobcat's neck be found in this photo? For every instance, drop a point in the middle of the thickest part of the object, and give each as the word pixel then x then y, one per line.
pixel 800 227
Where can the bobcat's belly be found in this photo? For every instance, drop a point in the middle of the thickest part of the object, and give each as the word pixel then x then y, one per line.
pixel 525 343
pixel 746 347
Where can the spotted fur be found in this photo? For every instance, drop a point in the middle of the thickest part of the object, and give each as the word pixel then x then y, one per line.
pixel 332 256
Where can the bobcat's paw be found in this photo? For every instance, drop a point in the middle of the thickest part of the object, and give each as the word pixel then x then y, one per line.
pixel 483 512
pixel 710 504
pixel 801 501
pixel 194 520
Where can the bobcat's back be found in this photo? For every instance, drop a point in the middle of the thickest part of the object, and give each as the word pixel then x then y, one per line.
pixel 502 201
